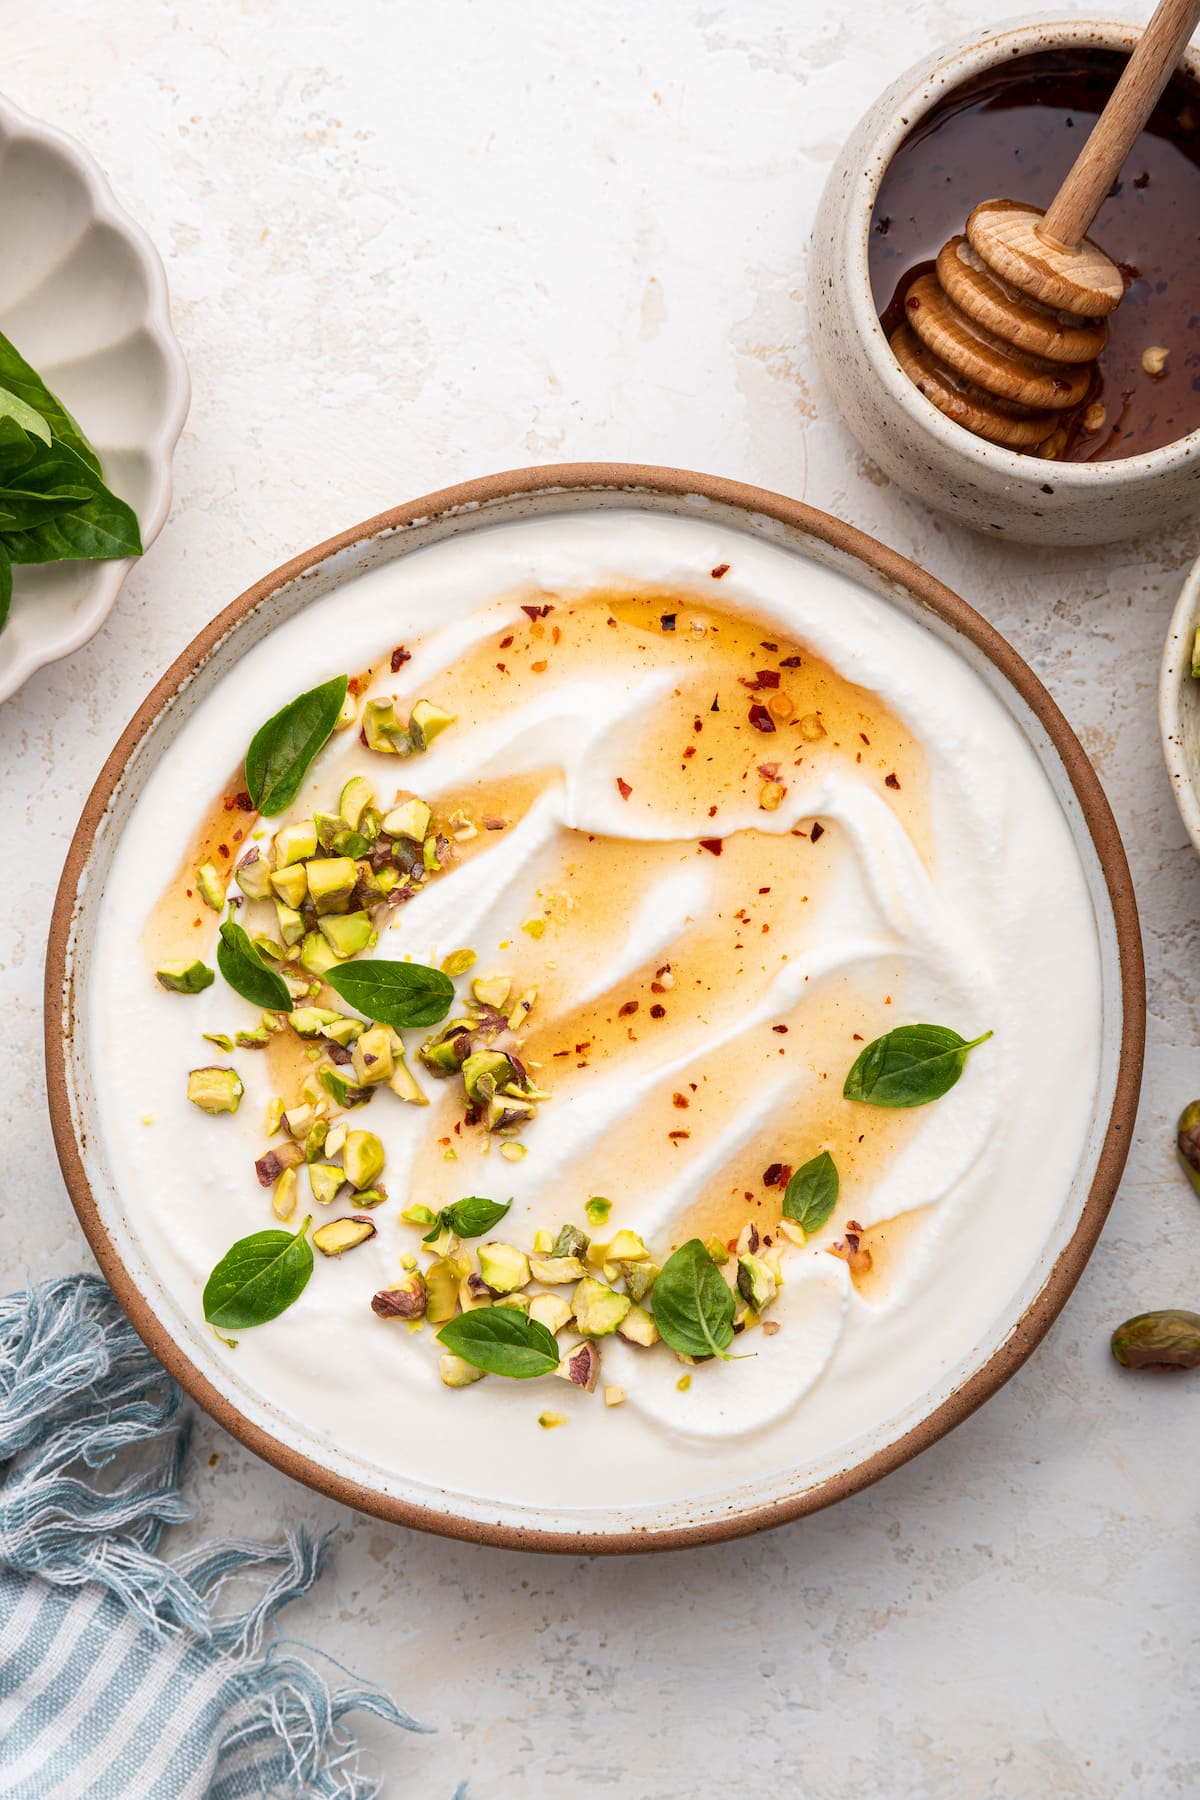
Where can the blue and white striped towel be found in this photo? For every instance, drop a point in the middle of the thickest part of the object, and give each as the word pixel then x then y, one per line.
pixel 120 1677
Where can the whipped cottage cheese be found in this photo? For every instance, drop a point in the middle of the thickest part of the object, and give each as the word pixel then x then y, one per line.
pixel 917 867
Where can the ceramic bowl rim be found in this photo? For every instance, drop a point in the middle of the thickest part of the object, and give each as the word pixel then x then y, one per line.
pixel 1172 687
pixel 674 484
pixel 109 577
pixel 959 63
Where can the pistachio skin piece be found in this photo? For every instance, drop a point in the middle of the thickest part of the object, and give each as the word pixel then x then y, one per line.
pixel 1188 1143
pixel 1167 1341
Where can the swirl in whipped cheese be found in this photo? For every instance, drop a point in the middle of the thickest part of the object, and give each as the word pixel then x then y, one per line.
pixel 730 831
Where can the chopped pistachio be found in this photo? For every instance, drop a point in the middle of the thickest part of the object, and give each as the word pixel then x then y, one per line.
pixel 429 855
pixel 373 1058
pixel 295 843
pixel 362 1158
pixel 346 934
pixel 221 1039
pixel 326 1180
pixel 521 1009
pixel 473 1293
pixel 1154 359
pixel 253 876
pixel 408 820
pixel 404 1300
pixel 348 714
pixel 274 1115
pixel 613 1395
pixel 458 962
pixel 184 977
pixel 344 1091
pixel 627 1246
pixel 549 1420
pixel 212 886
pixel 339 1235
pixel 570 1241
pixel 598 1309
pixel 756 1282
pixel 598 1209
pixel 684 1383
pixel 382 730
pixel 441 1287
pixel 462 829
pixel 343 1030
pixel 338 1133
pixel 639 1279
pixel 289 924
pixel 418 1215
pixel 284 1194
pixel 543 1242
pixel 638 1327
pixel 534 928
pixel 268 947
pixel 271 1164
pixel 550 1310
pixel 314 1141
pixel 555 1269
pixel 356 797
pixel 426 722
pixel 291 884
pixel 310 1021
pixel 255 1039
pixel 503 1267
pixel 372 1196
pixel 580 1365
pixel 317 954
pixel 717 1250
pixel 331 882
pixel 370 825
pixel 456 1372
pixel 484 1072
pixel 328 825
pixel 492 990
pixel 215 1090
pixel 795 1234
pixel 513 1152
pixel 514 1302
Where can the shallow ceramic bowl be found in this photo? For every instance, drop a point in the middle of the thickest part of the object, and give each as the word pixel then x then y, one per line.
pixel 992 489
pixel 84 299
pixel 194 1357
pixel 1179 706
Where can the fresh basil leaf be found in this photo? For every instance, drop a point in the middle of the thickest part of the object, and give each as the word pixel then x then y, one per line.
pixel 468 1218
pixel 22 511
pixel 247 973
pixel 258 1278
pixel 5 587
pixel 25 382
pixel 502 1341
pixel 811 1194
pixel 16 447
pixel 281 750
pixel 693 1304
pixel 100 526
pixel 26 416
pixel 909 1066
pixel 398 994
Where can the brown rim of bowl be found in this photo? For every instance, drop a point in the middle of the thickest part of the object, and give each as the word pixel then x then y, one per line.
pixel 1035 1321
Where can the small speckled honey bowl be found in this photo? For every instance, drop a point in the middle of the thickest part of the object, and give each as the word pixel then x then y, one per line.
pixel 1130 460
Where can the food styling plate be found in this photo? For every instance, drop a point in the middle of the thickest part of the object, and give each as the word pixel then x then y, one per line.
pixel 722 1498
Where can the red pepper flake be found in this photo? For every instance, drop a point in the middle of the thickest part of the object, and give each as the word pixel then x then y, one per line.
pixel 858 1037
pixel 242 801
pixel 764 890
pixel 891 781
pixel 629 1007
pixel 691 749
pixel 657 987
pixel 680 1100
pixel 818 830
pixel 658 1012
pixel 760 718
pixel 667 621
pixel 502 668
pixel 697 724
pixel 913 304
pixel 679 1134
pixel 362 738
pixel 493 824
pixel 223 850
pixel 768 771
pixel 716 705
pixel 537 612
pixel 713 844
pixel 623 788
pixel 721 569
pixel 506 642
pixel 712 812
pixel 763 645
pixel 791 662
pixel 767 678
pixel 773 1175
pixel 781 1029
pixel 864 737
pixel 611 622
pixel 399 657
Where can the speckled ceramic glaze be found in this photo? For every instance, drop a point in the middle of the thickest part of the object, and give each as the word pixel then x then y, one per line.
pixel 994 490
pixel 1179 706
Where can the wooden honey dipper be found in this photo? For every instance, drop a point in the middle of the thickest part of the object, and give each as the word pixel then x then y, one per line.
pixel 1003 336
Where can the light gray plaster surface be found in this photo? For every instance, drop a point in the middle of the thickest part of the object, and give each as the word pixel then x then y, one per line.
pixel 412 243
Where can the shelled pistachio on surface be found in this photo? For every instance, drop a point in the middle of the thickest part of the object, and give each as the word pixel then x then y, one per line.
pixel 608 1281
pixel 1170 1338
pixel 481 1046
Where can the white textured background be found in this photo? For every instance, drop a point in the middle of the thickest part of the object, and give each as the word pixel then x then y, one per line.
pixel 411 243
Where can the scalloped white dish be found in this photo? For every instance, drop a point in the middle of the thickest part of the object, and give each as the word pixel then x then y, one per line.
pixel 84 298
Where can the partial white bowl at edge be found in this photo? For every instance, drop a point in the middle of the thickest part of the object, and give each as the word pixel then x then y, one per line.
pixel 84 298
pixel 1179 706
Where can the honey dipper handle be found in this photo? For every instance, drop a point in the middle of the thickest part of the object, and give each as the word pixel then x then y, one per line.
pixel 1116 131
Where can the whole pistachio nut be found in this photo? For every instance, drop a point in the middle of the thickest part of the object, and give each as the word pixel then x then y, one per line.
pixel 1164 1340
pixel 1188 1143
